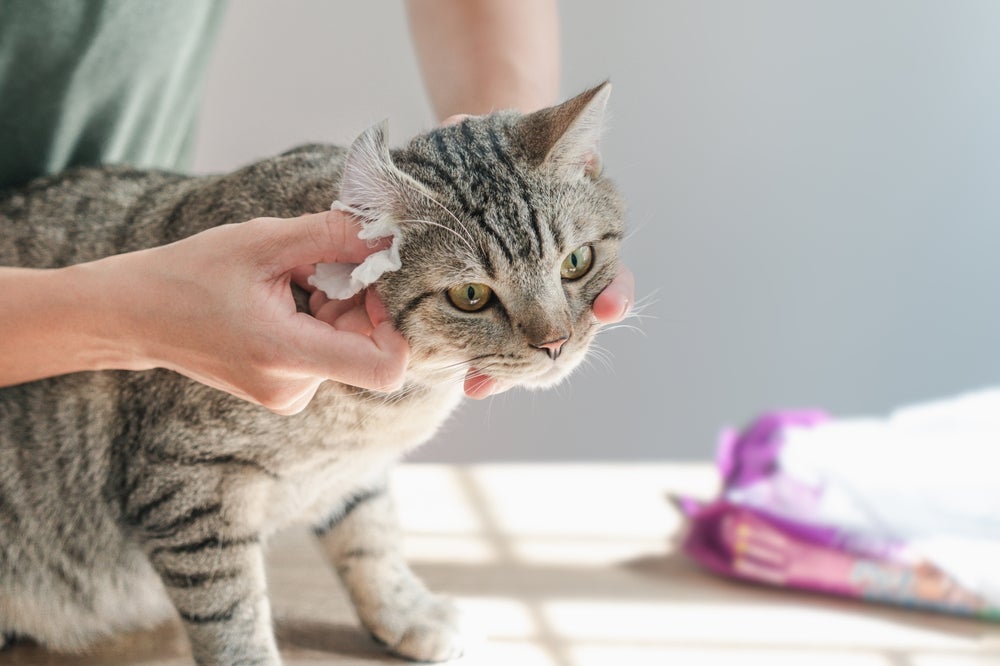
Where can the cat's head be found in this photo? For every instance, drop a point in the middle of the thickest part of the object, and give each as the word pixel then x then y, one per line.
pixel 508 232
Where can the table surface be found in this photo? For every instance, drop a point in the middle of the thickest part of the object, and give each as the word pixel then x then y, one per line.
pixel 571 565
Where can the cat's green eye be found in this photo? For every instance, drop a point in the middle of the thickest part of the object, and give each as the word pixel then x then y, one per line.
pixel 470 297
pixel 577 263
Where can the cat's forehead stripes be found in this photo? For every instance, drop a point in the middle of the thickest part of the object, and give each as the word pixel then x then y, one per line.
pixel 475 168
pixel 443 180
pixel 514 183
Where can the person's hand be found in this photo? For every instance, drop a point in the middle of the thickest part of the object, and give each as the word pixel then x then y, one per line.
pixel 218 308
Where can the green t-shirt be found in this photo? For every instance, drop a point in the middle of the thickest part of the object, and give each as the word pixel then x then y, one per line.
pixel 100 81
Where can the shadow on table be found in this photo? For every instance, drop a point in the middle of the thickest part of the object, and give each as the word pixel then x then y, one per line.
pixel 688 581
pixel 167 644
pixel 298 633
pixel 163 644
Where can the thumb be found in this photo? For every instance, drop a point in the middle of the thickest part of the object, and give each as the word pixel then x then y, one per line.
pixel 377 361
pixel 321 237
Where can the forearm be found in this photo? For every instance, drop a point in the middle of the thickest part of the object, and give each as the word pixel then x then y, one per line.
pixel 484 55
pixel 57 321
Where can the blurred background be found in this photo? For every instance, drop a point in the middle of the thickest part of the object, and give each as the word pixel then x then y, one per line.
pixel 814 193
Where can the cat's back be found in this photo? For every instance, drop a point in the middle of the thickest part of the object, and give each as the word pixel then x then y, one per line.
pixel 88 213
pixel 75 216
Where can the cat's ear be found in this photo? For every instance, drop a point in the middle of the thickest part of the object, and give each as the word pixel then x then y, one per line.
pixel 371 183
pixel 566 138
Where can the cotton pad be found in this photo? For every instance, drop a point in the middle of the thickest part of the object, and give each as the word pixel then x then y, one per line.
pixel 341 281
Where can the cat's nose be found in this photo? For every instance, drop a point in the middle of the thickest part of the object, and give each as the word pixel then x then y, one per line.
pixel 553 347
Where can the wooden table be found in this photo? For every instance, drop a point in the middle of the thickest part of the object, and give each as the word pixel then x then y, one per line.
pixel 572 565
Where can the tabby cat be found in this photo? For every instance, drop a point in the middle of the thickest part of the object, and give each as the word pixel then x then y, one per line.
pixel 129 497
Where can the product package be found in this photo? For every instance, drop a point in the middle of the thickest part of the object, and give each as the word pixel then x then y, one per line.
pixel 904 510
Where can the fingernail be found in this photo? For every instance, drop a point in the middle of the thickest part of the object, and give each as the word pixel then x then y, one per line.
pixel 625 308
pixel 376 309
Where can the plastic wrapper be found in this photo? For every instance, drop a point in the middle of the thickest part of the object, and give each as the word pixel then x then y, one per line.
pixel 893 510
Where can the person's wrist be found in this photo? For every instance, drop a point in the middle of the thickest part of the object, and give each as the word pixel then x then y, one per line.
pixel 100 315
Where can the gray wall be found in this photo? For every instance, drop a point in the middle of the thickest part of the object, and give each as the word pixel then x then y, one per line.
pixel 814 192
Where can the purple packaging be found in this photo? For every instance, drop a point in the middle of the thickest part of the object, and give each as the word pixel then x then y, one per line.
pixel 771 540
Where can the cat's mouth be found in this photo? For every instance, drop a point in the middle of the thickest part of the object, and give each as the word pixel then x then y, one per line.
pixel 550 377
pixel 554 371
pixel 527 368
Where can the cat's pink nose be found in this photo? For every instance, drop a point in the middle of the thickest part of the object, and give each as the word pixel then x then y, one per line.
pixel 553 347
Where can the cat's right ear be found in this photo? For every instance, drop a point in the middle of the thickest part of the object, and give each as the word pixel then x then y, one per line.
pixel 566 138
pixel 371 183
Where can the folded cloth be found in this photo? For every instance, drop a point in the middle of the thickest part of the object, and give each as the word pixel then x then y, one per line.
pixel 903 509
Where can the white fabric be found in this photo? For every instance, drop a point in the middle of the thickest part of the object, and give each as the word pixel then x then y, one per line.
pixel 341 281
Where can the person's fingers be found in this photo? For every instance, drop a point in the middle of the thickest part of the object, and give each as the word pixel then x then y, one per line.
pixel 375 307
pixel 376 362
pixel 297 403
pixel 328 310
pixel 300 276
pixel 317 300
pixel 395 354
pixel 319 237
pixel 354 320
pixel 612 304
pixel 455 119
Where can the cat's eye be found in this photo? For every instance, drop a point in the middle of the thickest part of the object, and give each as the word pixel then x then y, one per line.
pixel 470 297
pixel 577 263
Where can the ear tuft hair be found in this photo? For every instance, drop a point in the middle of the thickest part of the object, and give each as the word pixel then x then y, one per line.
pixel 371 183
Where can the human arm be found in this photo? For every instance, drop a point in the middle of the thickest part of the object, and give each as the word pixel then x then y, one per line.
pixel 478 56
pixel 216 307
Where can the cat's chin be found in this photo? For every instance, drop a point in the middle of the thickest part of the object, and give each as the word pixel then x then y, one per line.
pixel 549 378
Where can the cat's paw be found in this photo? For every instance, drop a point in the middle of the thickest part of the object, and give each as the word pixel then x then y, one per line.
pixel 427 631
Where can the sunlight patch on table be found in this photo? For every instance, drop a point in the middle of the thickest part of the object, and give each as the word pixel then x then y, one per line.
pixel 604 656
pixel 508 654
pixel 699 623
pixel 581 552
pixel 579 503
pixel 497 618
pixel 432 498
pixel 421 549
pixel 952 660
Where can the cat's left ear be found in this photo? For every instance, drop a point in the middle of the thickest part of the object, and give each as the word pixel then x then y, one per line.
pixel 566 138
pixel 371 183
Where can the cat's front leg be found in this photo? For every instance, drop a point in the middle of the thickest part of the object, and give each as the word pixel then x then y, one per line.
pixel 217 586
pixel 361 539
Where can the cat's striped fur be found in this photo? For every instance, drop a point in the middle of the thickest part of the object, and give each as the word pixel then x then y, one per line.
pixel 126 497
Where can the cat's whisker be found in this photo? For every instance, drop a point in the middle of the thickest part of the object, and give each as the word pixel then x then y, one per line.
pixel 465 362
pixel 615 327
pixel 639 316
pixel 379 404
pixel 636 227
pixel 384 400
pixel 644 303
pixel 600 354
pixel 451 214
pixel 449 230
pixel 476 373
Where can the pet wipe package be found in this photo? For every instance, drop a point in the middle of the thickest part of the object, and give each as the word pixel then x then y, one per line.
pixel 901 509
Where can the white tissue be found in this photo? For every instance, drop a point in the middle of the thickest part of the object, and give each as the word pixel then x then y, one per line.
pixel 341 281
pixel 926 475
